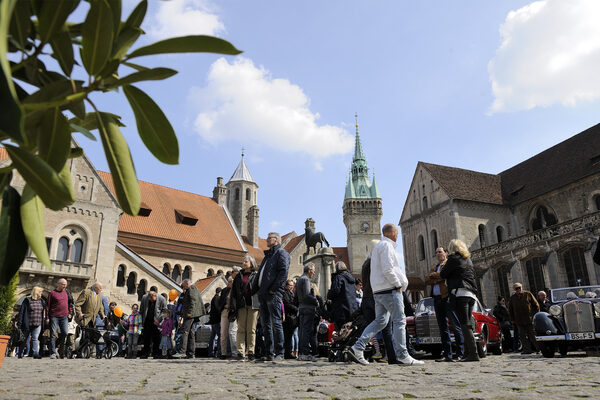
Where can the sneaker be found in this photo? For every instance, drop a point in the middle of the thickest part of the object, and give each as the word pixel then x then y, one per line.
pixel 53 356
pixel 307 357
pixel 240 357
pixel 357 356
pixel 410 361
pixel 278 358
pixel 250 357
pixel 376 356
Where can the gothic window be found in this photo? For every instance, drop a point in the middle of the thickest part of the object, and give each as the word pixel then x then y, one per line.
pixel 220 272
pixel 543 219
pixel 48 244
pixel 424 203
pixel 597 202
pixel 131 283
pixel 499 233
pixel 176 274
pixel 575 267
pixel 210 272
pixel 248 195
pixel 535 274
pixel 187 272
pixel 431 185
pixel 77 250
pixel 237 193
pixel 63 249
pixel 421 248
pixel 434 240
pixel 482 242
pixel 166 269
pixel 415 194
pixel 121 275
pixel 503 287
pixel 141 290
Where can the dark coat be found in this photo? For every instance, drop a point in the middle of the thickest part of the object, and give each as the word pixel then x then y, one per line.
pixel 215 315
pixel 501 313
pixel 545 306
pixel 192 303
pixel 366 279
pixel 343 296
pixel 23 318
pixel 161 304
pixel 522 307
pixel 223 299
pixel 459 273
pixel 291 309
pixel 274 270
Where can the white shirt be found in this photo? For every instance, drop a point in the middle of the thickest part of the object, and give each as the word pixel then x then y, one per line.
pixel 386 272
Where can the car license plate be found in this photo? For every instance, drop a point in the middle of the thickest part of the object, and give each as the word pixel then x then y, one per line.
pixel 433 339
pixel 580 336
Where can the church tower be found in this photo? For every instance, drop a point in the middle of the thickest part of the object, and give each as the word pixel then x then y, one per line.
pixel 242 202
pixel 362 208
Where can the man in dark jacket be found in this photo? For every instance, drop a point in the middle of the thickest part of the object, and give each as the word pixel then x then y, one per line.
pixel 192 309
pixel 307 305
pixel 290 321
pixel 543 302
pixel 215 324
pixel 522 308
pixel 500 312
pixel 151 308
pixel 272 275
pixel 342 295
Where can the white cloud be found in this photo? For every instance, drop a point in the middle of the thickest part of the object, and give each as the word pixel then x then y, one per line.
pixel 244 103
pixel 185 17
pixel 550 54
pixel 275 224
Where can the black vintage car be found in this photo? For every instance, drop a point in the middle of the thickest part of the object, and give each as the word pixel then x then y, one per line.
pixel 573 322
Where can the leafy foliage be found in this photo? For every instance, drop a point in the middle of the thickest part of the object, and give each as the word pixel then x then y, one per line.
pixel 41 108
pixel 7 301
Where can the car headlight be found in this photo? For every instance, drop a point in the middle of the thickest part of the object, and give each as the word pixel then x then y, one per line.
pixel 597 309
pixel 555 310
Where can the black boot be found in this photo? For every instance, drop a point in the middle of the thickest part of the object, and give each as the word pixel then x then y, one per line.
pixel 470 346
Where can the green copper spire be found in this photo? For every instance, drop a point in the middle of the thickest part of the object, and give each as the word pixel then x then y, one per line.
pixel 358 151
pixel 359 186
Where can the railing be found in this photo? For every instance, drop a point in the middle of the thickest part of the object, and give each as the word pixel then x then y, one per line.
pixel 61 268
pixel 549 233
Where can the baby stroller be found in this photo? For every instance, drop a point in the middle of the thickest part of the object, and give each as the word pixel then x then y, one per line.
pixel 87 339
pixel 346 337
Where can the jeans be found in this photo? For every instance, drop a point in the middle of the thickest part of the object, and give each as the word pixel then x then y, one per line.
pixel 215 334
pixel 307 334
pixel 57 323
pixel 270 317
pixel 443 313
pixel 132 343
pixel 386 305
pixel 295 340
pixel 464 312
pixel 368 309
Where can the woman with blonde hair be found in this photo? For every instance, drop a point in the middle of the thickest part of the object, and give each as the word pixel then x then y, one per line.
pixel 460 278
pixel 32 315
pixel 247 308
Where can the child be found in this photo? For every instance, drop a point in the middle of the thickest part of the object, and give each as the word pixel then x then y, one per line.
pixel 166 328
pixel 134 330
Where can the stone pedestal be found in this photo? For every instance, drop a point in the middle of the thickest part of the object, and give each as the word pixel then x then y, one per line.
pixel 324 261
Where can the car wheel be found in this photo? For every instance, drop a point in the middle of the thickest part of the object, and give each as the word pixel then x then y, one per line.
pixel 482 346
pixel 547 349
pixel 563 349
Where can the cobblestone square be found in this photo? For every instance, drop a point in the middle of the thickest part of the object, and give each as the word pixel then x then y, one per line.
pixel 510 376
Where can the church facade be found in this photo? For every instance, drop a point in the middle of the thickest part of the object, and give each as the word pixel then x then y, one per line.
pixel 535 223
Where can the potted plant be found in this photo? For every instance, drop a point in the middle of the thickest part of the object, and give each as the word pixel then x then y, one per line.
pixel 7 303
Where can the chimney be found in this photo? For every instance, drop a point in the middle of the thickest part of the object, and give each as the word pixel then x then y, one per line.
pixel 252 218
pixel 220 192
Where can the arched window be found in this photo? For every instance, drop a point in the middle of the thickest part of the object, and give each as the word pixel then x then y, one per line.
pixel 424 203
pixel 421 248
pixel 248 194
pixel 77 250
pixel 597 202
pixel 131 283
pixel 543 219
pixel 220 272
pixel 187 272
pixel 481 229
pixel 237 193
pixel 63 249
pixel 575 267
pixel 210 272
pixel 434 240
pixel 141 290
pixel 535 274
pixel 166 269
pixel 176 274
pixel 500 233
pixel 502 275
pixel 121 275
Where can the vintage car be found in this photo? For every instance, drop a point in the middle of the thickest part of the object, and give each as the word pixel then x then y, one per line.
pixel 573 322
pixel 424 333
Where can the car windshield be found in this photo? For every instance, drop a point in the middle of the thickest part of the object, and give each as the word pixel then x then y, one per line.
pixel 578 292
pixel 425 306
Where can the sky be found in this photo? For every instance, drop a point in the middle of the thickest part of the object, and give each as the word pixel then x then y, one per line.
pixel 473 84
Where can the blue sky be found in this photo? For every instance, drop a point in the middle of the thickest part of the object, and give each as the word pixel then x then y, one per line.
pixel 474 84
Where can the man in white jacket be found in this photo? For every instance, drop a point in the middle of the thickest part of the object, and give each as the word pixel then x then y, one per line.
pixel 387 281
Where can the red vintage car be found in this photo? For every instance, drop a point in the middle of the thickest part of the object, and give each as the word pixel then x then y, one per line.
pixel 424 333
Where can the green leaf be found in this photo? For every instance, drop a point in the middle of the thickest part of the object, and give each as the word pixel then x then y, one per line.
pixel 77 108
pixel 97 37
pixel 11 116
pixel 65 177
pixel 121 165
pixel 63 50
pixel 82 130
pixel 32 218
pixel 153 74
pixel 115 8
pixel 54 140
pixel 20 26
pixel 187 44
pixel 13 245
pixel 138 14
pixel 52 17
pixel 54 91
pixel 110 68
pixel 125 40
pixel 90 122
pixel 72 98
pixel 42 178
pixel 153 126
pixel 137 67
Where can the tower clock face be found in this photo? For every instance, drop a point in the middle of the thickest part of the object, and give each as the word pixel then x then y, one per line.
pixel 364 226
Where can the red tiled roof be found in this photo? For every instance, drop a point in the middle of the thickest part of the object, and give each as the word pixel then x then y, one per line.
pixel 293 243
pixel 257 253
pixel 212 229
pixel 342 255
pixel 202 284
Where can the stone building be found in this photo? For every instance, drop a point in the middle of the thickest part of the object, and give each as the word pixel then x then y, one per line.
pixel 535 223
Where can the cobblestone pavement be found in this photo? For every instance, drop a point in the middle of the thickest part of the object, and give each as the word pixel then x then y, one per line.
pixel 495 377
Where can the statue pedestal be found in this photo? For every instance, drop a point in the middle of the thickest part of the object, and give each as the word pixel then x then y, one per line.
pixel 324 261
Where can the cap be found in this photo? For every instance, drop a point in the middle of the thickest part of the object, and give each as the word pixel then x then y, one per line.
pixel 517 285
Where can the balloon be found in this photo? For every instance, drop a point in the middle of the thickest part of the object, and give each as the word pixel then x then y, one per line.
pixel 118 311
pixel 173 294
